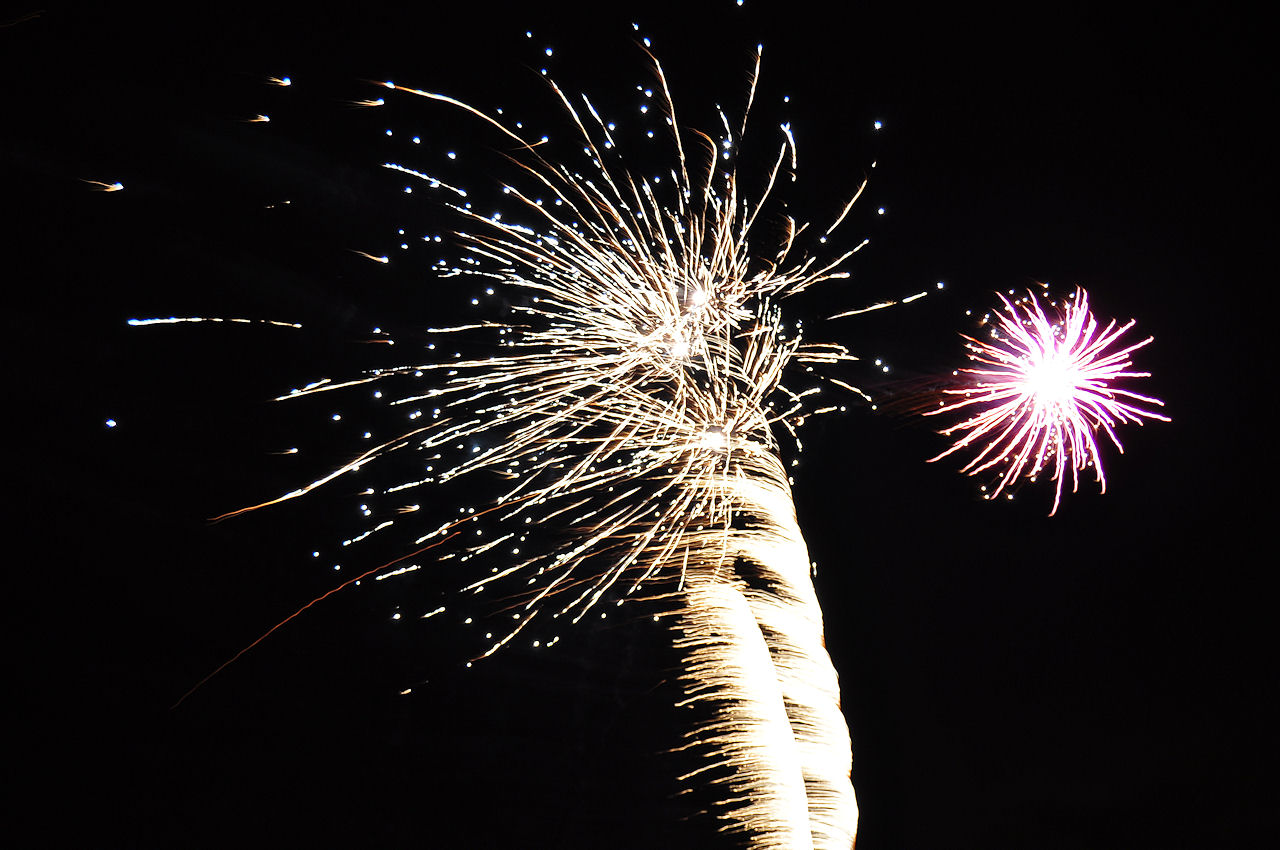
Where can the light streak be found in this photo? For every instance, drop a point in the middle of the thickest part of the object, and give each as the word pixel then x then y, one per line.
pixel 175 320
pixel 1045 389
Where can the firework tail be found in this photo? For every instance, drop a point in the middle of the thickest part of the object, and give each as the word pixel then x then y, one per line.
pixel 751 631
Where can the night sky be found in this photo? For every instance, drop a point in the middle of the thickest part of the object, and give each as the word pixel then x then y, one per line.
pixel 1096 679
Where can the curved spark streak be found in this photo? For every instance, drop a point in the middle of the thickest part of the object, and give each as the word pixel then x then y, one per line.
pixel 635 400
pixel 1047 389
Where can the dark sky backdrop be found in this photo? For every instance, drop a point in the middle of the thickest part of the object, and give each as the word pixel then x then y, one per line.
pixel 1099 679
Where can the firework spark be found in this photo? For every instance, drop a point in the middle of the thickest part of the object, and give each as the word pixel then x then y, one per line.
pixel 1047 387
pixel 635 400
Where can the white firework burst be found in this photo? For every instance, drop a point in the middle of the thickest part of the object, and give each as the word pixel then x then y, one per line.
pixel 636 401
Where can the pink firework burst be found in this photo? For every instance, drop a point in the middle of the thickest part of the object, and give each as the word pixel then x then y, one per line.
pixel 1044 390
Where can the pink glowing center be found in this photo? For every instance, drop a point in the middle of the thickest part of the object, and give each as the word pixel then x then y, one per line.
pixel 1053 381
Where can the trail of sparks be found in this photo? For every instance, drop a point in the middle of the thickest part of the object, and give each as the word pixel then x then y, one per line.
pixel 648 351
pixel 177 320
pixel 269 632
pixel 1047 388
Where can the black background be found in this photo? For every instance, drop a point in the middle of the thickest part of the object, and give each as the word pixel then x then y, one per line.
pixel 1096 679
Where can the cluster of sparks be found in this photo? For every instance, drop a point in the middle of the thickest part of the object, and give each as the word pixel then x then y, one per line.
pixel 641 376
pixel 634 399
pixel 1044 389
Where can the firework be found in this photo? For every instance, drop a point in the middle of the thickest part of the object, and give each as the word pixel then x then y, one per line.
pixel 1045 389
pixel 634 398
